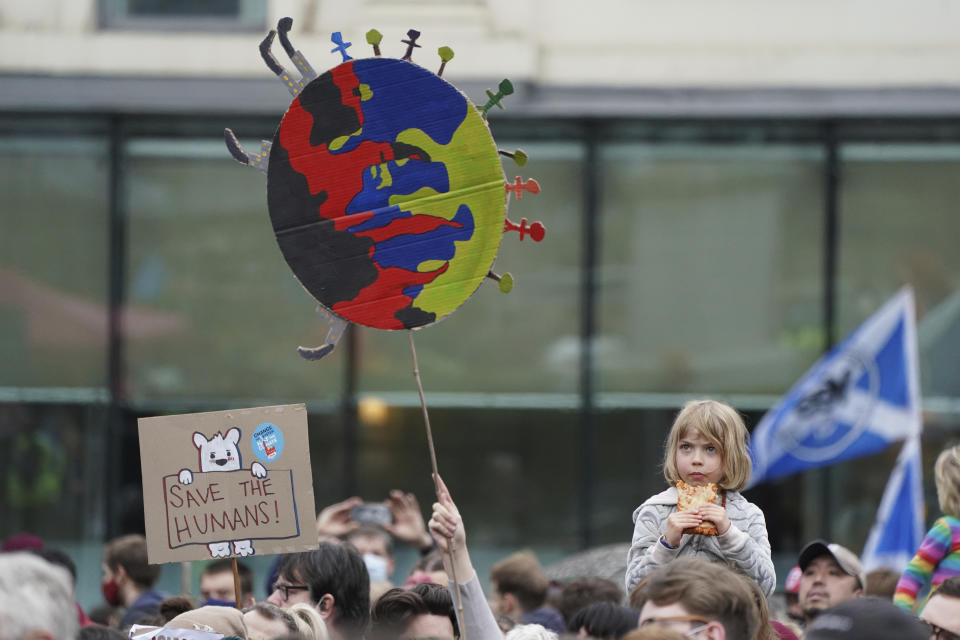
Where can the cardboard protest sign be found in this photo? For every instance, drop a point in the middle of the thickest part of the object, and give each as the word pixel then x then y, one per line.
pixel 142 632
pixel 227 483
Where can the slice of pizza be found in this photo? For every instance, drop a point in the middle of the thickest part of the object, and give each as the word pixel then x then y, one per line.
pixel 690 497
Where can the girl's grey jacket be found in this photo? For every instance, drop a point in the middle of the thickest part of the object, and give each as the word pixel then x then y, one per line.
pixel 745 545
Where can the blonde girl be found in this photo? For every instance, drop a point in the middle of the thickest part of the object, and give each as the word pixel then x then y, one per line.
pixel 707 444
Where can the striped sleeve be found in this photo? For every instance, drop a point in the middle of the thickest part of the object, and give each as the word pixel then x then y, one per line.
pixel 935 546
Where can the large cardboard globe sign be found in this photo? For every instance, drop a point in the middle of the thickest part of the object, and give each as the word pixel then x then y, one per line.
pixel 385 188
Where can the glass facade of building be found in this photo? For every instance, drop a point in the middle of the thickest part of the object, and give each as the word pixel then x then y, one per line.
pixel 139 276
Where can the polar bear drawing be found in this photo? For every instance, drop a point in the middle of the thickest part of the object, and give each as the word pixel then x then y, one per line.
pixel 220 453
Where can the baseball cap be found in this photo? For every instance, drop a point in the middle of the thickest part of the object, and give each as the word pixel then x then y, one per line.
pixel 868 618
pixel 847 559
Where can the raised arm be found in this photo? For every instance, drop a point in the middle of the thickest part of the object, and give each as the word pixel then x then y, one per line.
pixel 334 521
pixel 446 525
pixel 408 524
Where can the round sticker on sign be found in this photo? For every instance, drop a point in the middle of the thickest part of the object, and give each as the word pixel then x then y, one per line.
pixel 267 442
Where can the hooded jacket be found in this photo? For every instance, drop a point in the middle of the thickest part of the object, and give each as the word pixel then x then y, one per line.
pixel 744 546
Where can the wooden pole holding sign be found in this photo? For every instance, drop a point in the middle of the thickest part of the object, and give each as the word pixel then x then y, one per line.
pixel 236 583
pixel 186 573
pixel 436 484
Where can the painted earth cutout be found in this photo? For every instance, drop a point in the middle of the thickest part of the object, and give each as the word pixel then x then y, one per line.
pixel 386 193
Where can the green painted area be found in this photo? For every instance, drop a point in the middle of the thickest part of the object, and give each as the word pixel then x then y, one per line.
pixel 385 178
pixel 506 283
pixel 338 142
pixel 365 92
pixel 383 172
pixel 430 265
pixel 476 180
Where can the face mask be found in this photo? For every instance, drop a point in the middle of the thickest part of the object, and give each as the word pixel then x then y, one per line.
pixel 376 567
pixel 213 602
pixel 111 592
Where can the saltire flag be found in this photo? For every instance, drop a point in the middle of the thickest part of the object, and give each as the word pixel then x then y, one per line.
pixel 898 530
pixel 856 400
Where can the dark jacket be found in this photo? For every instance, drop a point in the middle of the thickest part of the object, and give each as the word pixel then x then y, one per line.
pixel 144 606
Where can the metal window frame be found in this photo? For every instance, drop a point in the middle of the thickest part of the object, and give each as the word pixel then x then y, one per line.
pixel 115 14
pixel 830 133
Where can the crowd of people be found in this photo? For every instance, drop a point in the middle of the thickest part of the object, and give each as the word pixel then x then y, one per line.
pixel 682 580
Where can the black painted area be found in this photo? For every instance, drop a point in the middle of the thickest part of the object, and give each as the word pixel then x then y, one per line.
pixel 406 150
pixel 332 265
pixel 331 118
pixel 412 317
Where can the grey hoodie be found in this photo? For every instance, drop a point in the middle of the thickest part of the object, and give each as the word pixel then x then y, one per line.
pixel 745 546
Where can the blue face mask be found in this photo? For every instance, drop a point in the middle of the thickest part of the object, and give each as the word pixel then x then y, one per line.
pixel 212 602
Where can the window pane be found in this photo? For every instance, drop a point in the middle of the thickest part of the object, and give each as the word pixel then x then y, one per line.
pixel 710 267
pixel 225 313
pixel 183 15
pixel 512 474
pixel 495 342
pixel 183 7
pixel 48 490
pixel 630 446
pixel 53 261
pixel 899 225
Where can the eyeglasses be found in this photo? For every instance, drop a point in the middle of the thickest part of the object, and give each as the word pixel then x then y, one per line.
pixel 939 633
pixel 285 589
pixel 668 620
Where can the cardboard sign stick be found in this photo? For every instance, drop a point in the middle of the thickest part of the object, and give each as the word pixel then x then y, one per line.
pixel 436 483
pixel 185 574
pixel 236 583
